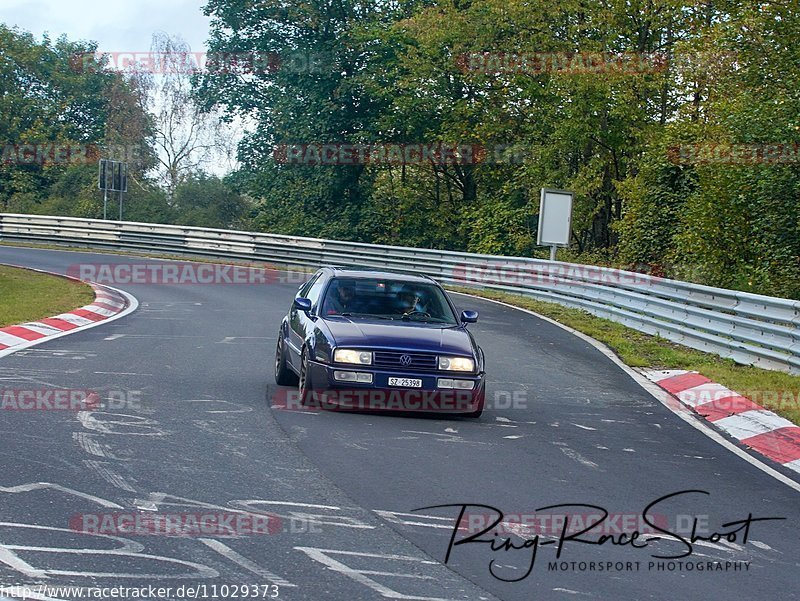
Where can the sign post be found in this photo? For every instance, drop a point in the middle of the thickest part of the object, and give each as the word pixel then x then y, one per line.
pixel 555 219
pixel 113 176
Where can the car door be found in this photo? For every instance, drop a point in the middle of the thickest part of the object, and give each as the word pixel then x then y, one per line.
pixel 301 323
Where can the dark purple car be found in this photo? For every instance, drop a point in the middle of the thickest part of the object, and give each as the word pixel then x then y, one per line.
pixel 377 340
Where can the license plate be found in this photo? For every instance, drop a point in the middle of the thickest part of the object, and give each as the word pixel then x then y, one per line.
pixel 406 382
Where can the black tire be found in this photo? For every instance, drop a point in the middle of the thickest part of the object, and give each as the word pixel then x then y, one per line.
pixel 302 381
pixel 284 376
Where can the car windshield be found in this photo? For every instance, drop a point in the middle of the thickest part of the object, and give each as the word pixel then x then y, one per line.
pixel 378 298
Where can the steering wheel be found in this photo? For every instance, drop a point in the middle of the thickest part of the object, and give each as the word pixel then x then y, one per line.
pixel 415 312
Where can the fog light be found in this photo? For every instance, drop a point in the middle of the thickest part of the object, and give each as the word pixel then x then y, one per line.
pixel 353 376
pixel 460 384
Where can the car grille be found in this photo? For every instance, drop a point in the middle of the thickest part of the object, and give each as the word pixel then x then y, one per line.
pixel 394 359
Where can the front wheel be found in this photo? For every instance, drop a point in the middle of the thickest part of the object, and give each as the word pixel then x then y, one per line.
pixel 305 393
pixel 284 376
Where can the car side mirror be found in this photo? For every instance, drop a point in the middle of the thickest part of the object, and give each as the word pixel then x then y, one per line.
pixel 302 304
pixel 469 317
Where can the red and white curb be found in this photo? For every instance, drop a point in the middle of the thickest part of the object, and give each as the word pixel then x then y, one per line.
pixel 736 415
pixel 109 304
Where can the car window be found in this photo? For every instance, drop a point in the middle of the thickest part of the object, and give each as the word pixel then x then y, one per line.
pixel 314 292
pixel 387 299
pixel 303 292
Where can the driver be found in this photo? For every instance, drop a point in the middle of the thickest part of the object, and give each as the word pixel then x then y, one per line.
pixel 338 301
pixel 410 301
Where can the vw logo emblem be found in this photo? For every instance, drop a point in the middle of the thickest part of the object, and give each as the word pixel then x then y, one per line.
pixel 405 360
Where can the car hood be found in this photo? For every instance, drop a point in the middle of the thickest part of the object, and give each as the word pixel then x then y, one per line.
pixel 401 336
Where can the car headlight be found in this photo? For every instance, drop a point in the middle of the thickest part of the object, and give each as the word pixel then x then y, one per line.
pixel 456 364
pixel 344 355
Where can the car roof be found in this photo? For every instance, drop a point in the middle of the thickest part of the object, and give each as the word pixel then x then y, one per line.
pixel 363 272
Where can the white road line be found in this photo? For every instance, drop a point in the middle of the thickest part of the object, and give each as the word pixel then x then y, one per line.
pixel 572 454
pixel 245 563
pixel 13 561
pixel 30 487
pixel 323 557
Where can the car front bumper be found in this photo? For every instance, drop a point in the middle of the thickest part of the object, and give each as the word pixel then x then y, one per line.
pixel 379 396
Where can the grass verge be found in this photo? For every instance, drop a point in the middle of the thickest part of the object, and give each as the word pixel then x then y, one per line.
pixel 28 295
pixel 774 390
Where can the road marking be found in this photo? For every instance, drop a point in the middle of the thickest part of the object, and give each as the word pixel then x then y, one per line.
pixel 578 457
pixel 393 516
pixel 49 485
pixel 13 561
pixel 88 444
pixel 583 427
pixel 114 337
pixel 239 407
pixel 129 549
pixel 323 556
pixel 119 373
pixel 107 474
pixel 443 437
pixel 245 563
pixel 108 426
pixel 151 505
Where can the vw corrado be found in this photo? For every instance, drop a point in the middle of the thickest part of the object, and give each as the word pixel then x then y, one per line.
pixel 378 340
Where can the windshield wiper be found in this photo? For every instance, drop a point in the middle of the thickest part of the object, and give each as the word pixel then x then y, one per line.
pixel 369 315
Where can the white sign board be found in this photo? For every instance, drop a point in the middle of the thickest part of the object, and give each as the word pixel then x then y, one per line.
pixel 555 218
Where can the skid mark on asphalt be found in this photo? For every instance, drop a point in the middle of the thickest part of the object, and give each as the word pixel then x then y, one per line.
pixel 103 470
pixel 224 406
pixel 93 447
pixel 35 353
pixel 444 437
pixel 245 339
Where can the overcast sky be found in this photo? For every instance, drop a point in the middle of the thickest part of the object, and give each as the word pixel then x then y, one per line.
pixel 117 25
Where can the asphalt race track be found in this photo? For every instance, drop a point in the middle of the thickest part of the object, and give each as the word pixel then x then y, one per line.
pixel 197 432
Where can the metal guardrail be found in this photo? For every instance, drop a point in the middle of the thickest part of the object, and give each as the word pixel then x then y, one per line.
pixel 748 328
